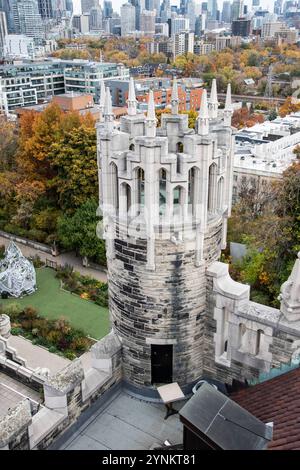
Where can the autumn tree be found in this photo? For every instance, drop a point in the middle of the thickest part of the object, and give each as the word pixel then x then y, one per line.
pixel 8 143
pixel 244 118
pixel 73 157
pixel 289 106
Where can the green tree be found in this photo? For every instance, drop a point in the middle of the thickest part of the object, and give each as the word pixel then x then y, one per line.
pixel 74 159
pixel 78 232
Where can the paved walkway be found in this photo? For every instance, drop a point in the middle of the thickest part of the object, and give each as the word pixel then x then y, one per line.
pixel 64 258
pixel 37 357
pixel 12 392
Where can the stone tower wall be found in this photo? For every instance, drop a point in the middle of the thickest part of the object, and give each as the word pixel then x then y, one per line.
pixel 161 307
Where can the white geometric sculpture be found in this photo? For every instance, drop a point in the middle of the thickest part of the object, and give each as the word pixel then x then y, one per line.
pixel 17 273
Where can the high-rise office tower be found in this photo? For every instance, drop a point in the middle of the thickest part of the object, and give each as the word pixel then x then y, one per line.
pixel 139 6
pixel 27 19
pixel 46 9
pixel 237 9
pixel 190 13
pixel 7 7
pixel 147 24
pixel 3 32
pixel 87 5
pixel 127 19
pixel 107 9
pixel 226 11
pixel 69 6
pixel 212 7
pixel 165 11
pixel 96 18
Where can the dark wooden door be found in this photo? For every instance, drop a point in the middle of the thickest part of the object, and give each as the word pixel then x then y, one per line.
pixel 161 363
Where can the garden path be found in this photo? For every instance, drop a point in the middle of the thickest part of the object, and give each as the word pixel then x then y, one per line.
pixel 64 258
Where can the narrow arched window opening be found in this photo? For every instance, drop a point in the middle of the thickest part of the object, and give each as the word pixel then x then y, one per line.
pixel 128 197
pixel 178 165
pixel 220 193
pixel 114 185
pixel 242 336
pixel 192 189
pixel 178 200
pixel 141 186
pixel 212 176
pixel 259 339
pixel 179 147
pixel 162 191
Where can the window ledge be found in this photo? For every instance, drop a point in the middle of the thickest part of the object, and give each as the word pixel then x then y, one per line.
pixel 223 360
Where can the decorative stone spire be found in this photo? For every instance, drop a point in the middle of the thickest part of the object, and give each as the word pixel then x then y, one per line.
pixel 290 294
pixel 151 118
pixel 175 98
pixel 102 100
pixel 131 102
pixel 108 113
pixel 213 100
pixel 203 115
pixel 228 107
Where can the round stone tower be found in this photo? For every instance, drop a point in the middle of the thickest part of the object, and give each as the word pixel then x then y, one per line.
pixel 165 198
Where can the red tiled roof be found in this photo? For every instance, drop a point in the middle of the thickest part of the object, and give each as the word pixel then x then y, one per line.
pixel 276 400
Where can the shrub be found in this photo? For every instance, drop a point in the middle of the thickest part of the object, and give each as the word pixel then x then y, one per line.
pixel 16 331
pixel 13 310
pixel 36 234
pixel 55 334
pixel 2 251
pixel 65 271
pixel 70 355
pixel 52 349
pixel 36 261
pixel 30 313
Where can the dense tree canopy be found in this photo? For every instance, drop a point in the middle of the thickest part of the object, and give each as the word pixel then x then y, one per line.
pixel 54 174
pixel 268 222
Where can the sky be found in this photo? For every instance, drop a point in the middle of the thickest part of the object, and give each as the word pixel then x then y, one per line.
pixel 268 4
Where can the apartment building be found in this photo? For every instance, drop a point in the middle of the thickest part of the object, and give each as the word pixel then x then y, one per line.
pixel 33 82
pixel 263 152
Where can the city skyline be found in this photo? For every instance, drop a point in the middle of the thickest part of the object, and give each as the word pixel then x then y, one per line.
pixel 268 4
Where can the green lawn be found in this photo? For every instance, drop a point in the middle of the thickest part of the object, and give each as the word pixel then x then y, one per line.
pixel 52 302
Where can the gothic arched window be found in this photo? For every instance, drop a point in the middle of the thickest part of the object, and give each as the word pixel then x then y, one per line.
pixel 179 147
pixel 140 175
pixel 220 193
pixel 162 191
pixel 212 180
pixel 192 189
pixel 114 184
pixel 125 198
pixel 259 338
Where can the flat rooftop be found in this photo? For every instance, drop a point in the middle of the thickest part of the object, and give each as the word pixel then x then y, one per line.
pixel 12 392
pixel 127 423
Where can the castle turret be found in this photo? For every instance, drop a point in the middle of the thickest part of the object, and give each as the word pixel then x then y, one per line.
pixel 108 114
pixel 228 107
pixel 203 120
pixel 175 98
pixel 290 294
pixel 165 199
pixel 131 102
pixel 151 119
pixel 213 104
pixel 102 100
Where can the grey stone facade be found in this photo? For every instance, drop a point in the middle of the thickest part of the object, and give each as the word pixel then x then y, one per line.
pixel 165 197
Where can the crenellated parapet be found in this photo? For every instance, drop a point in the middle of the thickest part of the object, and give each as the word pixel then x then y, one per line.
pixel 250 341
